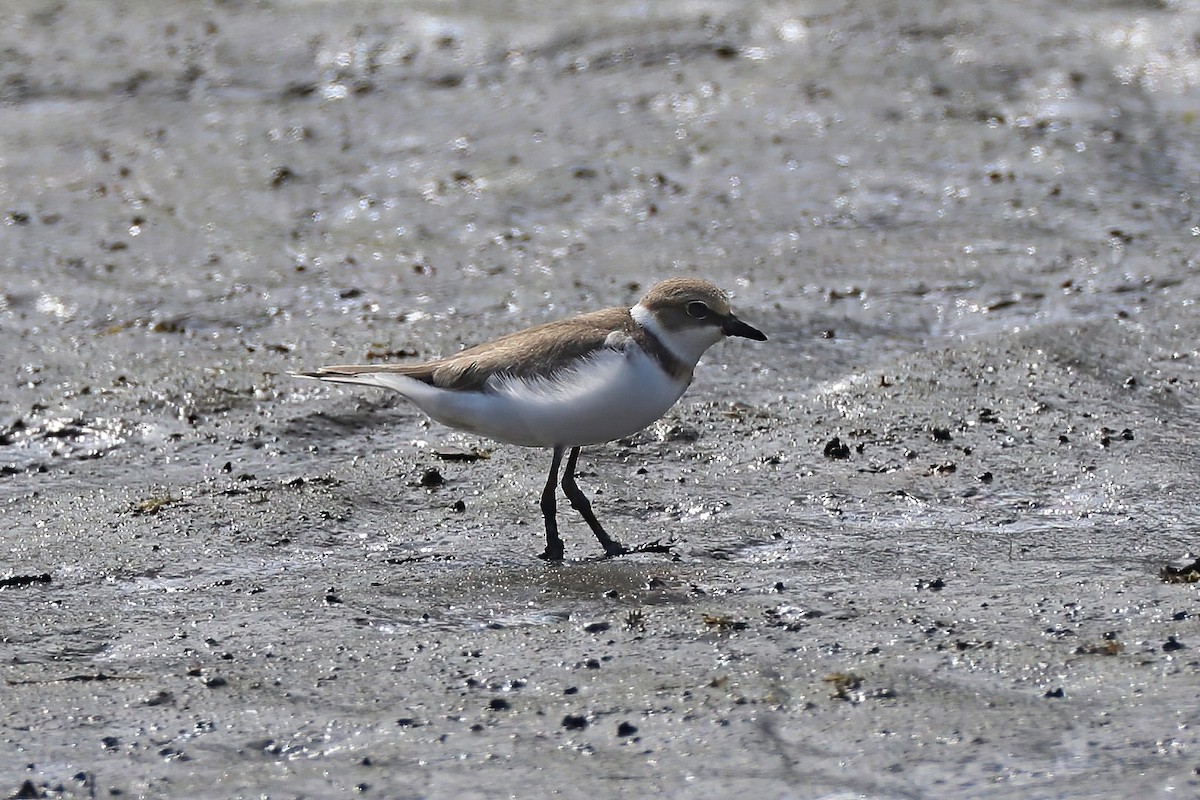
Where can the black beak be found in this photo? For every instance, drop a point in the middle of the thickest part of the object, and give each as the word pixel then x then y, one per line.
pixel 732 326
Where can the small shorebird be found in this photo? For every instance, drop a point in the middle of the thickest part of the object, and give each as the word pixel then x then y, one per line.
pixel 580 381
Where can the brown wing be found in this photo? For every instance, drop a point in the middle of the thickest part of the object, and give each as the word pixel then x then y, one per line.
pixel 534 352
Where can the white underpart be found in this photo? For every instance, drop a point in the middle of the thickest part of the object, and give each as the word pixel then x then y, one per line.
pixel 688 344
pixel 610 394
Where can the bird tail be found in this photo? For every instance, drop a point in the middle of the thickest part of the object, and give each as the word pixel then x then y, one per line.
pixel 383 375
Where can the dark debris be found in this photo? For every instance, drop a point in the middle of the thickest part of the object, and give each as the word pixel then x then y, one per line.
pixel 1189 573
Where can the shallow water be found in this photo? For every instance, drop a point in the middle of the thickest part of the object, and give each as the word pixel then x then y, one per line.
pixel 969 232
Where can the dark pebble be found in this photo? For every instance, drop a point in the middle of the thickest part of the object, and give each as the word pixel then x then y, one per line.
pixel 1170 646
pixel 160 698
pixel 499 704
pixel 28 792
pixel 280 176
pixel 626 729
pixel 173 754
pixel 24 580
pixel 835 449
pixel 574 722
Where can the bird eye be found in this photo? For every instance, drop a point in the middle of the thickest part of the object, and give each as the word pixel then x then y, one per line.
pixel 697 310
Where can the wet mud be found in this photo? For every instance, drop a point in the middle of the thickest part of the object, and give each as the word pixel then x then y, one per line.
pixel 936 538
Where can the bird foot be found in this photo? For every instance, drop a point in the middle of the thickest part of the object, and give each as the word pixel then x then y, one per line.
pixel 553 552
pixel 650 547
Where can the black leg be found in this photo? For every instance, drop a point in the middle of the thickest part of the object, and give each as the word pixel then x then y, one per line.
pixel 581 504
pixel 554 544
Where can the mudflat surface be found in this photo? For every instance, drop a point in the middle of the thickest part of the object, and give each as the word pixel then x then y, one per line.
pixel 969 229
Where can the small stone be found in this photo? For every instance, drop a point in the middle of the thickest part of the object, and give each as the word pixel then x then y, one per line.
pixel 574 722
pixel 835 449
pixel 28 792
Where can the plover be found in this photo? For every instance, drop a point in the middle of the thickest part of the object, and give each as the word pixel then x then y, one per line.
pixel 563 385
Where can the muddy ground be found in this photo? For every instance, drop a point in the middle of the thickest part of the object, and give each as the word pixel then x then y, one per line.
pixel 969 229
